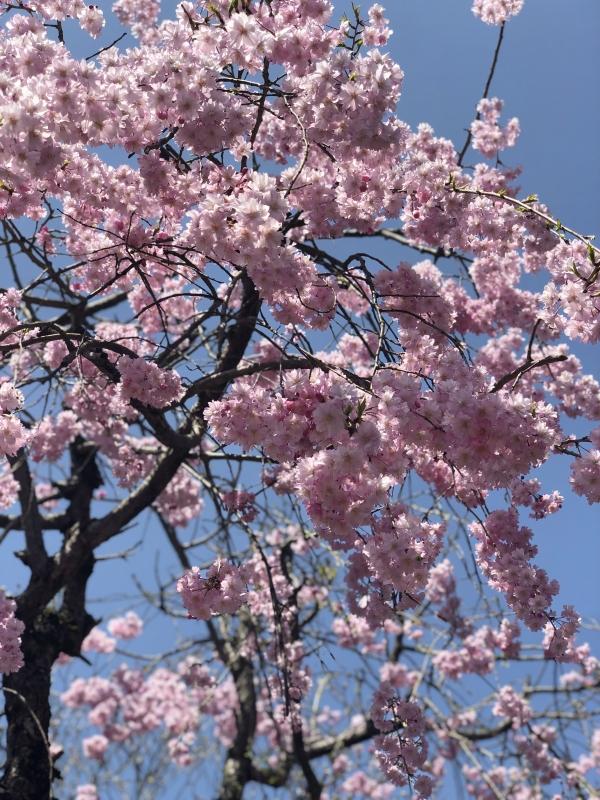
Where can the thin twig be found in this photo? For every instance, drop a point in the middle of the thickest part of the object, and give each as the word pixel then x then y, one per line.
pixel 486 90
pixel 108 46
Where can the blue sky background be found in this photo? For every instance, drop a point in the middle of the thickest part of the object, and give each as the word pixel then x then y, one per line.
pixel 548 76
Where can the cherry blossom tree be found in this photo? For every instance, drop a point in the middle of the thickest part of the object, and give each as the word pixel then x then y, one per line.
pixel 339 453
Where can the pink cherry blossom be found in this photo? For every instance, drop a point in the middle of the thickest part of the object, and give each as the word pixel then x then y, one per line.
pixel 220 592
pixel 98 642
pixel 11 628
pixel 495 12
pixel 86 791
pixel 488 136
pixel 148 383
pixel 509 704
pixel 95 747
pixel 129 626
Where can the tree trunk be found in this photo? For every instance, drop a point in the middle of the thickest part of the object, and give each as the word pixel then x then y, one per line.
pixel 28 770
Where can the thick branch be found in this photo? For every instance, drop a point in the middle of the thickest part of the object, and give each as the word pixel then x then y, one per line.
pixel 525 368
pixel 35 556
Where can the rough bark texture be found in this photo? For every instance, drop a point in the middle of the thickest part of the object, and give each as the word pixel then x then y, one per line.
pixel 28 764
pixel 29 770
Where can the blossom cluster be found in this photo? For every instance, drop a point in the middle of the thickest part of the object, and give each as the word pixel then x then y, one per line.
pixel 504 551
pixel 496 12
pixel 129 704
pixel 222 591
pixel 488 137
pixel 11 628
pixel 148 383
pixel 402 756
pixel 477 652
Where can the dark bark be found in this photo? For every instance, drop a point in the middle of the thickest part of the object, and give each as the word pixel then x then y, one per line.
pixel 29 769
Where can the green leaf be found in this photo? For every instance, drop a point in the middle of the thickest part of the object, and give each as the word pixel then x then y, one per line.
pixel 576 271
